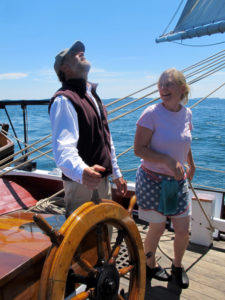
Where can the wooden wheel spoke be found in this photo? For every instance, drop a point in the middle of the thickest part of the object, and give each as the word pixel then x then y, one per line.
pixel 114 255
pixel 116 247
pixel 125 270
pixel 99 238
pixel 133 201
pixel 55 236
pixel 85 265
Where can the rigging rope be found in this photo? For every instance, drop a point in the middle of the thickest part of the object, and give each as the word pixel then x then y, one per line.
pixel 199 70
pixel 197 167
pixel 212 228
pixel 24 156
pixel 120 99
pixel 22 150
pixel 131 102
pixel 194 105
pixel 24 163
pixel 213 62
pixel 207 74
pixel 151 101
pixel 127 150
pixel 209 58
pixel 47 136
pixel 173 17
pixel 212 58
pixel 208 187
pixel 203 68
pixel 43 204
pixel 211 170
pixel 132 110
pixel 191 107
pixel 206 45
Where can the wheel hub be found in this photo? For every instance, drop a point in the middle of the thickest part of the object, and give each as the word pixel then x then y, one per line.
pixel 108 283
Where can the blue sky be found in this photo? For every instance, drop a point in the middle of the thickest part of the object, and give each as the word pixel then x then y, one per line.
pixel 120 44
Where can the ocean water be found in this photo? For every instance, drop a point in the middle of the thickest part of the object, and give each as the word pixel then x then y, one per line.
pixel 208 145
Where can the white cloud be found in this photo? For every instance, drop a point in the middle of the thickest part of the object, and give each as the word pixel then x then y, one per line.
pixel 100 74
pixel 9 76
pixel 152 79
pixel 95 70
pixel 46 73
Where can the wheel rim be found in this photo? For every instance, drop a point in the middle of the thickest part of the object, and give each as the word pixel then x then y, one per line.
pixel 101 276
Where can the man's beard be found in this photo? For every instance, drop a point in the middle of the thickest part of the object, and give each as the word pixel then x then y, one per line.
pixel 84 66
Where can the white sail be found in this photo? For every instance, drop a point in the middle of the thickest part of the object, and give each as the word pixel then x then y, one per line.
pixel 199 18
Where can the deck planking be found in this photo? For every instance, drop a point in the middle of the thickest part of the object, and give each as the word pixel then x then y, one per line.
pixel 205 267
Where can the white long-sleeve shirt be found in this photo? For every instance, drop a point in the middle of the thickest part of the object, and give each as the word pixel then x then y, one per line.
pixel 65 136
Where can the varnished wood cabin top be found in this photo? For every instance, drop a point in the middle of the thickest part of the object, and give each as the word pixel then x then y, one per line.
pixel 22 244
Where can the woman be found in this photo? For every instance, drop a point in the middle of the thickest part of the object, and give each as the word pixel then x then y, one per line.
pixel 162 140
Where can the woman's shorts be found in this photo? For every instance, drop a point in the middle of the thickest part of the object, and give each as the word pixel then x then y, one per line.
pixel 149 191
pixel 156 217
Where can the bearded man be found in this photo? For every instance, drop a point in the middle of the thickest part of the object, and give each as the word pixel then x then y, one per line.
pixel 82 144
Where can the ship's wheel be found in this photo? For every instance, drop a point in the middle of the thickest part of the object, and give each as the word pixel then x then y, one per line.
pixel 90 243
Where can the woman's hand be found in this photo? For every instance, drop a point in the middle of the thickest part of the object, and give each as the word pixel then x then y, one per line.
pixel 190 172
pixel 176 168
pixel 191 165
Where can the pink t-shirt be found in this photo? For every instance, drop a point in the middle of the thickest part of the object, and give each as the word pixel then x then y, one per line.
pixel 171 134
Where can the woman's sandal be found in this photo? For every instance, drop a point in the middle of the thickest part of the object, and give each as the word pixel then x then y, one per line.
pixel 158 273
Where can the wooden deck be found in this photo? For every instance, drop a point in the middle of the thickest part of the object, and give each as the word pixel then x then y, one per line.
pixel 205 268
